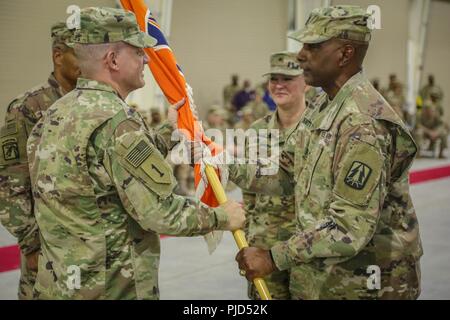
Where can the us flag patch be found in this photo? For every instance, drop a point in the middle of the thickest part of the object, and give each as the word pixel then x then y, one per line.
pixel 139 154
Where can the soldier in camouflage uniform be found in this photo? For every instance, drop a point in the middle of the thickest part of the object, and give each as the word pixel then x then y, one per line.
pixel 16 205
pixel 357 235
pixel 271 219
pixel 246 120
pixel 102 189
pixel 431 127
pixel 431 88
pixel 258 106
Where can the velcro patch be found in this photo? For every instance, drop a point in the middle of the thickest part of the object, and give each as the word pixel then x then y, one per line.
pixel 360 171
pixel 9 129
pixel 10 149
pixel 13 143
pixel 358 175
pixel 139 154
pixel 143 160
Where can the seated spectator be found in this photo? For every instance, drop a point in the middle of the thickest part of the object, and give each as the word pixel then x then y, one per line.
pixel 431 127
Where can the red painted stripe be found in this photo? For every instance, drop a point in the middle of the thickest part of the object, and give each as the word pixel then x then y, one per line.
pixel 429 174
pixel 10 256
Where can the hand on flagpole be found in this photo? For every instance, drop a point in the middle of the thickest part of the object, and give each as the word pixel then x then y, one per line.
pixel 236 215
pixel 172 113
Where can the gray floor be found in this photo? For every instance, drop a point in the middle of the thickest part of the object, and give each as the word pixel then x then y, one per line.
pixel 189 272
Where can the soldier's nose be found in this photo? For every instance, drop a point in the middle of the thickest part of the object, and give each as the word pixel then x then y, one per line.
pixel 146 58
pixel 301 56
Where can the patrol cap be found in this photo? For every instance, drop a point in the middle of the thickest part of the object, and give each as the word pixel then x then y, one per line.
pixel 108 25
pixel 343 22
pixel 285 63
pixel 60 33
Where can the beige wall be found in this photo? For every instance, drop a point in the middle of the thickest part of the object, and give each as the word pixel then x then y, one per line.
pixel 214 38
pixel 25 55
pixel 437 53
pixel 387 50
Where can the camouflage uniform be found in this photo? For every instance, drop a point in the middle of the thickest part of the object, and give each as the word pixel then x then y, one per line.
pixel 16 203
pixel 429 90
pixel 259 109
pixel 271 218
pixel 258 106
pixel 396 100
pixel 353 207
pixel 431 121
pixel 229 91
pixel 247 118
pixel 103 193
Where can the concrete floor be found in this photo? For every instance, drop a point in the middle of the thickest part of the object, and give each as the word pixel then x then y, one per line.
pixel 189 272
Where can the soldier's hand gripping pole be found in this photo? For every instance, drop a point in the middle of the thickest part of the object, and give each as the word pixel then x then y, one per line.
pixel 239 235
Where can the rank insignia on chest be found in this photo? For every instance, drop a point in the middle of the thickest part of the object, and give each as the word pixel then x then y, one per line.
pixel 358 175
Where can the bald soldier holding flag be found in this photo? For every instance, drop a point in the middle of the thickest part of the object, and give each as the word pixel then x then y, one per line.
pixel 106 192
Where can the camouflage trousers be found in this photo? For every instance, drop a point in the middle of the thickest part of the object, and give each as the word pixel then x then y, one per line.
pixel 27 280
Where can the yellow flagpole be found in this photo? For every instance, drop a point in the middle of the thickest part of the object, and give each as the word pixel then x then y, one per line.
pixel 239 235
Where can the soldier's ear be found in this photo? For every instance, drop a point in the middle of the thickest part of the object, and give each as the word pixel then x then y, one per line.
pixel 348 52
pixel 57 55
pixel 111 60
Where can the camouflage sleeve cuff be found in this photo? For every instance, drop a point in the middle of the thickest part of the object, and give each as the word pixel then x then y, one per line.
pixel 221 218
pixel 165 130
pixel 281 257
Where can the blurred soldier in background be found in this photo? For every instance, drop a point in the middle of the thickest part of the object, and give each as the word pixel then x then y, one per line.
pixel 431 127
pixel 230 91
pixel 430 87
pixel 155 117
pixel 396 99
pixel 16 202
pixel 246 118
pixel 258 106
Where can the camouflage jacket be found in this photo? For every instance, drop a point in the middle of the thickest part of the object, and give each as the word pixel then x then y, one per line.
pixel 103 193
pixel 354 210
pixel 16 203
pixel 271 218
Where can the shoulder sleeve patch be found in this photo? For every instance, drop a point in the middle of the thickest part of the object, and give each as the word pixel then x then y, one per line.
pixel 145 163
pixel 359 174
pixel 13 143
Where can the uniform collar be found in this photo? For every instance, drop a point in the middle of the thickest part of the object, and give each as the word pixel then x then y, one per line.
pixel 325 118
pixel 273 121
pixel 273 124
pixel 88 84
